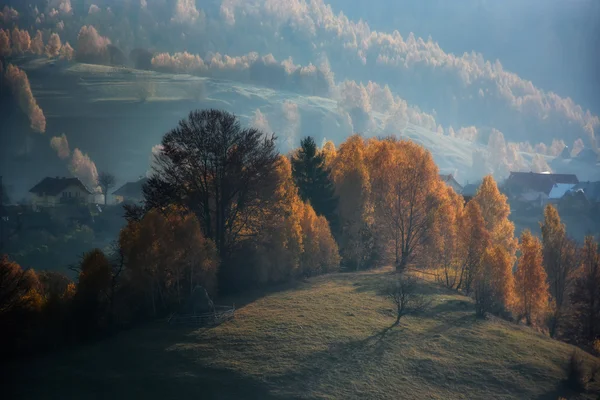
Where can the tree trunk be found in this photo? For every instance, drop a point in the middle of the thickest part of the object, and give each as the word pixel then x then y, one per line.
pixel 401 266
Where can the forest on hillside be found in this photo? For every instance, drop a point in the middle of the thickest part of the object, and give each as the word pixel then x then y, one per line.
pixel 225 211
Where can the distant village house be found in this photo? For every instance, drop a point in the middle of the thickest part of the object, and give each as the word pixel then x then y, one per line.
pixel 131 192
pixel 53 192
pixel 453 183
pixel 538 189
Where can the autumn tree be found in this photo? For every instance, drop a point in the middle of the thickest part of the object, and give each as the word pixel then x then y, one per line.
pixel 92 292
pixel 5 47
pixel 494 283
pixel 353 189
pixel 586 294
pixel 37 44
pixel 329 153
pixel 91 46
pixel 443 242
pixel 279 243
pixel 320 251
pixel 17 287
pixel 313 181
pixel 106 181
pixel 19 84
pixel 66 52
pixel 560 262
pixel 495 211
pixel 20 304
pixel 21 41
pixel 531 286
pixel 495 286
pixel 406 195
pixel 219 171
pixel 54 46
pixel 166 256
pixel 473 241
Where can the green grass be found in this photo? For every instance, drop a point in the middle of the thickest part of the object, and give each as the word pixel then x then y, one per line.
pixel 330 337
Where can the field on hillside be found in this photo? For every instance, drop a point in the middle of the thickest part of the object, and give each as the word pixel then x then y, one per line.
pixel 330 338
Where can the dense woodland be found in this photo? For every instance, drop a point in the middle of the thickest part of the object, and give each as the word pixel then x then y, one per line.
pixel 225 211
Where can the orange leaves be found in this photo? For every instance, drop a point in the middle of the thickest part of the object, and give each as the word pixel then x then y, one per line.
pixel 531 294
pixel 495 211
pixel 54 46
pixel 406 194
pixel 320 253
pixel 19 85
pixel 5 48
pixel 166 251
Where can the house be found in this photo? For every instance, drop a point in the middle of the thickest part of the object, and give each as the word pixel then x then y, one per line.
pixel 558 191
pixel 450 181
pixel 131 192
pixel 534 188
pixel 53 192
pixel 583 196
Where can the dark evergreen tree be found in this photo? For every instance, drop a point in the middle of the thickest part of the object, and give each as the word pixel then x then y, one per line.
pixel 313 181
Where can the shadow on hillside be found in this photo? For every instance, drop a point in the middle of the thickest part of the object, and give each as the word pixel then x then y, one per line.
pixel 242 299
pixel 144 366
pixel 352 359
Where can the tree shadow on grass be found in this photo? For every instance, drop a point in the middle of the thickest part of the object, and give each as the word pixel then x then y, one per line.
pixel 351 358
pixel 131 367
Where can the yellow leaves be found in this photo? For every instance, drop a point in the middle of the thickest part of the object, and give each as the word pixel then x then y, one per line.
pixel 497 276
pixel 531 300
pixel 320 249
pixel 495 211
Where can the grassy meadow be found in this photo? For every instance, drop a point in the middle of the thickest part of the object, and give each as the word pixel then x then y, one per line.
pixel 329 337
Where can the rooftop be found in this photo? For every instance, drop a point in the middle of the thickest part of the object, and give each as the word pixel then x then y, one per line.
pixel 543 182
pixel 53 186
pixel 131 189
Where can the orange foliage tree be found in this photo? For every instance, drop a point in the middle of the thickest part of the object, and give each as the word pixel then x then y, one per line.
pixel 66 52
pixel 444 246
pixel 473 242
pixel 531 288
pixel 5 48
pixel 279 242
pixel 21 41
pixel 586 294
pixel 37 44
pixel 501 257
pixel 351 177
pixel 407 194
pixel 54 46
pixel 560 261
pixel 320 253
pixel 166 256
pixel 20 304
pixel 19 84
pixel 494 284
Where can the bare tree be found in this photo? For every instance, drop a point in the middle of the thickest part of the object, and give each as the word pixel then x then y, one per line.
pixel 403 292
pixel 223 173
pixel 106 181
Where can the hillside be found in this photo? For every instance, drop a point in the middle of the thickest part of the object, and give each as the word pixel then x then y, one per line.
pixel 329 337
pixel 100 110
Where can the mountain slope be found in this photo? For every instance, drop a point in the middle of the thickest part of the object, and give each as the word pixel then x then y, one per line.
pixel 101 111
pixel 329 337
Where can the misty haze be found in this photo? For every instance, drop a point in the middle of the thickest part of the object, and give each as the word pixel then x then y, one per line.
pixel 273 199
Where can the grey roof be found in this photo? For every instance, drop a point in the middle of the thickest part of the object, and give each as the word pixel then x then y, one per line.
pixel 590 189
pixel 131 189
pixel 53 186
